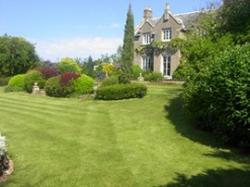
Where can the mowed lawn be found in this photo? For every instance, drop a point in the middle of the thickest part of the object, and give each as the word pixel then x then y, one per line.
pixel 146 142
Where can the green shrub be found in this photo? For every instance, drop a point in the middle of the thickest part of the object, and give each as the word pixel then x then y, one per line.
pixel 53 88
pixel 110 81
pixel 136 70
pixel 153 76
pixel 218 96
pixel 83 85
pixel 16 84
pixel 182 72
pixel 124 79
pixel 68 65
pixel 4 81
pixel 33 77
pixel 121 91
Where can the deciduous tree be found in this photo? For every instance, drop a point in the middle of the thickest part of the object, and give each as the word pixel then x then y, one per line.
pixel 16 56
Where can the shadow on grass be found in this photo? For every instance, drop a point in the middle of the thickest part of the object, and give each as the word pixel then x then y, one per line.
pixel 185 126
pixel 213 178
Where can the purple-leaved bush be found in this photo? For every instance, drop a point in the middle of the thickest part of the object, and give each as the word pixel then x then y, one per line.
pixel 67 77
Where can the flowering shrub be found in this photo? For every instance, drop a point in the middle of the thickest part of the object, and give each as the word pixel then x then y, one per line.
pixel 67 77
pixel 49 72
pixel 4 162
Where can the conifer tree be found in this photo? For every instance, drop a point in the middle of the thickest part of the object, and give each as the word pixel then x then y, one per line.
pixel 128 43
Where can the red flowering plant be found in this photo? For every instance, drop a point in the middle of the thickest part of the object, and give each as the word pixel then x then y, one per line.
pixel 49 72
pixel 68 77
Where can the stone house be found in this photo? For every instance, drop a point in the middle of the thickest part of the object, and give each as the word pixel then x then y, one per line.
pixel 164 29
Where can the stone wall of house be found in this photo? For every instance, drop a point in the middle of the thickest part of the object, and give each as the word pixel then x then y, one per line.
pixel 155 27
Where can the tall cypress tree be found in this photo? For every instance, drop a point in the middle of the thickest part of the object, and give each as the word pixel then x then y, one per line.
pixel 128 43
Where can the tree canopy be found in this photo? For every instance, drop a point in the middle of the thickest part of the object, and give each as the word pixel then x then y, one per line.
pixel 215 67
pixel 16 56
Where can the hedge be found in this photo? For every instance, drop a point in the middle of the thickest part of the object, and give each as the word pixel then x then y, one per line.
pixel 218 97
pixel 121 91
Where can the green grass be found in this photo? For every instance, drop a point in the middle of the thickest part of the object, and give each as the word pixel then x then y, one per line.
pixel 139 142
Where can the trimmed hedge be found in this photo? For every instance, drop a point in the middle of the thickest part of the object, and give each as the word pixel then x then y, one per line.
pixel 83 85
pixel 121 91
pixel 16 84
pixel 31 78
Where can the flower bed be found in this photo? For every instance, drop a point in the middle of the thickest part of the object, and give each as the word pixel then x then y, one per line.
pixel 6 165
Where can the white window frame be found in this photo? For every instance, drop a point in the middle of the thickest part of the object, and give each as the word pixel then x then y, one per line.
pixel 166 66
pixel 146 38
pixel 166 34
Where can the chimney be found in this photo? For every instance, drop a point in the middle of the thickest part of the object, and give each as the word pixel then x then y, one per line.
pixel 148 13
pixel 166 12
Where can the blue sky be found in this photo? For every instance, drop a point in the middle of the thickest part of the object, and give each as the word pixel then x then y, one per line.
pixel 78 28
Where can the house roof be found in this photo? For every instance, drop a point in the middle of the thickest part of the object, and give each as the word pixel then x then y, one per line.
pixel 188 18
pixel 185 19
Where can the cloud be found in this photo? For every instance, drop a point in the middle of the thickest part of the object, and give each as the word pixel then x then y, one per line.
pixel 76 47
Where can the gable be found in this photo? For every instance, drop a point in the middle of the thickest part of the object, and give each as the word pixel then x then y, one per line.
pixel 171 22
pixel 146 27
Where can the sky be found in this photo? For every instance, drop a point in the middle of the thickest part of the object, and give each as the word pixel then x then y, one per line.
pixel 78 28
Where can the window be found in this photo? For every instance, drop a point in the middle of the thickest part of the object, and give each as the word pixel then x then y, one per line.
pixel 167 34
pixel 146 38
pixel 166 65
pixel 147 63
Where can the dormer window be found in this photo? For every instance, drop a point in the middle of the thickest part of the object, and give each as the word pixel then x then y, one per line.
pixel 146 38
pixel 167 34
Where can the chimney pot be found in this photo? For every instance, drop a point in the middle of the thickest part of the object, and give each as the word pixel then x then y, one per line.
pixel 148 13
pixel 167 7
pixel 167 11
